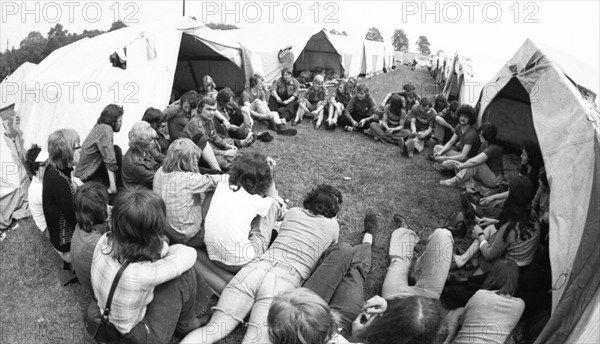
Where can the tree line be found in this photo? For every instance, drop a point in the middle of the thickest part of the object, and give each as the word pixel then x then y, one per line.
pixel 400 40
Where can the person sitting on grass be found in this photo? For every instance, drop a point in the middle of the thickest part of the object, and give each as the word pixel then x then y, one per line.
pixel 487 167
pixel 446 121
pixel 422 119
pixel 254 100
pixel 156 119
pixel 492 312
pixel 35 163
pixel 208 88
pixel 463 145
pixel 178 114
pixel 391 128
pixel 360 111
pixel 184 189
pixel 312 103
pixel 202 123
pixel 92 213
pixel 440 103
pixel 512 235
pixel 406 90
pixel 101 160
pixel 158 292
pixel 138 164
pixel 304 234
pixel 531 163
pixel 241 122
pixel 336 104
pixel 230 240
pixel 285 93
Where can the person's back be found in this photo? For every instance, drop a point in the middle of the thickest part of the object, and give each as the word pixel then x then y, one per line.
pixel 489 318
pixel 303 237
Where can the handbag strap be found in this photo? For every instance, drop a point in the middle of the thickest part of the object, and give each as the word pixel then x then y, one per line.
pixel 113 287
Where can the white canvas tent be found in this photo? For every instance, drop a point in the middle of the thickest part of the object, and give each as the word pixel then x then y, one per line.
pixel 310 48
pixel 534 98
pixel 10 85
pixel 373 57
pixel 461 84
pixel 351 48
pixel 72 86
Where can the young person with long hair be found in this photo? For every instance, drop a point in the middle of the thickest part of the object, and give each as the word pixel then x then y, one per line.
pixel 463 145
pixel 336 104
pixel 158 291
pixel 492 312
pixel 59 188
pixel 422 120
pixel 360 111
pixel 184 189
pixel 303 236
pixel 92 213
pixel 391 128
pixel 313 103
pixel 487 166
pixel 512 235
pixel 101 159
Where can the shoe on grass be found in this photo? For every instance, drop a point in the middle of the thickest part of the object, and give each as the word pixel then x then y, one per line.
pixel 265 137
pixel 282 129
pixel 371 224
pixel 400 221
pixel 448 182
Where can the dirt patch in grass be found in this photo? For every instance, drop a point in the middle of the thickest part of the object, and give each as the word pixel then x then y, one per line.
pixel 36 308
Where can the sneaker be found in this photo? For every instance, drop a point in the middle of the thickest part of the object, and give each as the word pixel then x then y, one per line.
pixel 333 126
pixel 272 126
pixel 371 224
pixel 285 131
pixel 402 145
pixel 400 221
pixel 348 128
pixel 265 137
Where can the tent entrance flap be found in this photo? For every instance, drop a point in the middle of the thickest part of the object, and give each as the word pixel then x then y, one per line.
pixel 196 59
pixel 510 111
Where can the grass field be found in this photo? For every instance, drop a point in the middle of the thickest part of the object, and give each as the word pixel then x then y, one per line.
pixel 36 308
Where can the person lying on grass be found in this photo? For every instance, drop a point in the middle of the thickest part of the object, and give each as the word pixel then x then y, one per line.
pixel 304 235
pixel 463 145
pixel 491 313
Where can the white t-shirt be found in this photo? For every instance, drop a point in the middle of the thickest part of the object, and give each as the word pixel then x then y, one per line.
pixel 35 203
pixel 227 224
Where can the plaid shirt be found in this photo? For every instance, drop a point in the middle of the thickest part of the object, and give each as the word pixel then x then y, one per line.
pixel 183 193
pixel 97 147
pixel 135 289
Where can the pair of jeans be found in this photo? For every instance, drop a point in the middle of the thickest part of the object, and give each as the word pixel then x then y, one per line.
pixel 287 112
pixel 252 291
pixel 449 165
pixel 339 280
pixel 431 268
pixel 343 122
pixel 378 131
pixel 174 309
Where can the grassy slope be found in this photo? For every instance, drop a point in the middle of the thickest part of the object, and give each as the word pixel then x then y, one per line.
pixel 37 309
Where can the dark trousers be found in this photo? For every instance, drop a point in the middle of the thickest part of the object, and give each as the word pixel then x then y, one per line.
pixel 343 121
pixel 287 112
pixel 340 278
pixel 101 174
pixel 174 309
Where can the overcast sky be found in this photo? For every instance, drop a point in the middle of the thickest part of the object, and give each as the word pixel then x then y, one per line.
pixel 488 32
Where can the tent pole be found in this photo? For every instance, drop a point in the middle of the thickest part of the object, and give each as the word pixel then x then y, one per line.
pixel 184 8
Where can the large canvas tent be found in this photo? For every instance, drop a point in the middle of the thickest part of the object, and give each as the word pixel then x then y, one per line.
pixel 70 87
pixel 460 84
pixel 351 49
pixel 10 85
pixel 534 98
pixel 304 49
